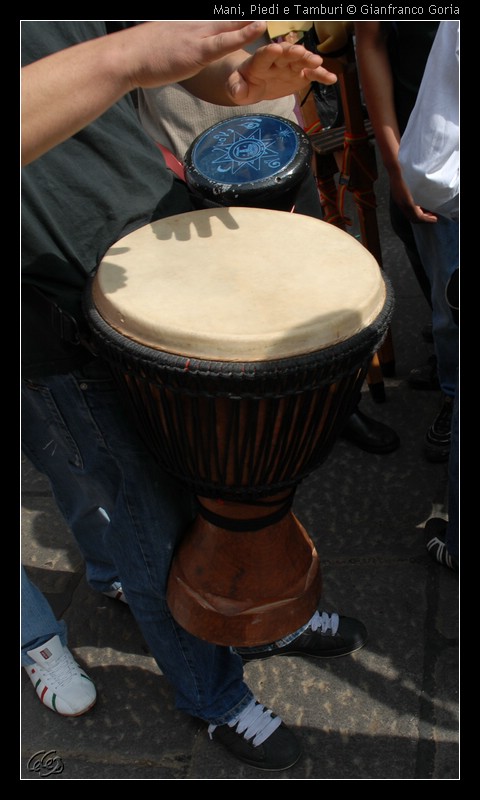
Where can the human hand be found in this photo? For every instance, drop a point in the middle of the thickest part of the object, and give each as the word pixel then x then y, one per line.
pixel 159 53
pixel 405 202
pixel 66 90
pixel 276 70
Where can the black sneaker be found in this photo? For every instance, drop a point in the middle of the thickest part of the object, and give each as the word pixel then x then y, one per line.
pixel 369 434
pixel 327 636
pixel 435 534
pixel 258 738
pixel 437 440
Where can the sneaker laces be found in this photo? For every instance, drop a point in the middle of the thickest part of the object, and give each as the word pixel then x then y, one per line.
pixel 255 722
pixel 325 621
pixel 62 671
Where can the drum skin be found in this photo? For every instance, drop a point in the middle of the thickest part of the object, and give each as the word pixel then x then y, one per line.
pixel 240 338
pixel 250 161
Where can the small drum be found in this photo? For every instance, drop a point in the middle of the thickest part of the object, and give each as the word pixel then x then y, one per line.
pixel 252 161
pixel 241 338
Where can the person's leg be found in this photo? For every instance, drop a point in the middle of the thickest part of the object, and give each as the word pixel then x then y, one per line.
pixel 402 227
pixel 452 537
pixel 38 622
pixel 59 682
pixel 79 419
pixel 424 376
pixel 366 433
pixel 437 245
pixel 80 496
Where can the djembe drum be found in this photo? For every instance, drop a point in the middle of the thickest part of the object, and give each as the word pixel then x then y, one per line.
pixel 241 338
pixel 251 161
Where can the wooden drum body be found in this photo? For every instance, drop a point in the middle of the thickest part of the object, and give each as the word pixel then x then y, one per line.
pixel 241 338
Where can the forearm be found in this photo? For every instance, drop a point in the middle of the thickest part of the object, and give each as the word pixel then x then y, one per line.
pixel 67 90
pixel 377 84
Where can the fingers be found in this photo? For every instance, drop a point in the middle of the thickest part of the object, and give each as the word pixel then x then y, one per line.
pixel 321 75
pixel 419 215
pixel 233 36
pixel 265 57
pixel 310 64
pixel 238 88
pixel 297 59
pixel 428 217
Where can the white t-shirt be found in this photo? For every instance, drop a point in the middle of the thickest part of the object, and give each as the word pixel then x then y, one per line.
pixel 430 147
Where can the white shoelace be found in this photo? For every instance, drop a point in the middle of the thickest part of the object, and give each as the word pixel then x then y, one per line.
pixel 255 722
pixel 62 673
pixel 325 622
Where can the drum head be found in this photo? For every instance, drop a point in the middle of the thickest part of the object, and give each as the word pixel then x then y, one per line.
pixel 248 160
pixel 238 284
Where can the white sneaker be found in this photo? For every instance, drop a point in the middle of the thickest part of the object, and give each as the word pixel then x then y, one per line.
pixel 116 592
pixel 60 683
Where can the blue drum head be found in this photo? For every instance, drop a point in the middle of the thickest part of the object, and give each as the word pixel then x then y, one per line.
pixel 248 160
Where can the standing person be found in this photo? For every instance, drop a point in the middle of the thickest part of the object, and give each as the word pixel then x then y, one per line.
pixel 392 58
pixel 91 176
pixel 429 159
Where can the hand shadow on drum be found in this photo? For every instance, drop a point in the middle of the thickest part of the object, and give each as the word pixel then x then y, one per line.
pixel 180 225
pixel 117 275
pixel 118 251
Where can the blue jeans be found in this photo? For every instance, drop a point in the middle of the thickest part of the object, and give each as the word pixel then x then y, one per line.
pixel 39 623
pixel 452 538
pixel 127 516
pixel 437 245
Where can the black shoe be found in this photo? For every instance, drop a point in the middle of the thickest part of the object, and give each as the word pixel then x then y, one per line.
pixel 259 738
pixel 435 534
pixel 425 377
pixel 327 636
pixel 437 440
pixel 369 434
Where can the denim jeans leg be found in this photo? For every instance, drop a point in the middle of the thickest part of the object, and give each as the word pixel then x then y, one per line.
pixel 80 421
pixel 404 230
pixel 437 244
pixel 452 538
pixel 38 622
pixel 79 494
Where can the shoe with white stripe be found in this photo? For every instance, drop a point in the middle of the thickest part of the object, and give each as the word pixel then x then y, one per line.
pixel 116 592
pixel 435 535
pixel 60 683
pixel 258 738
